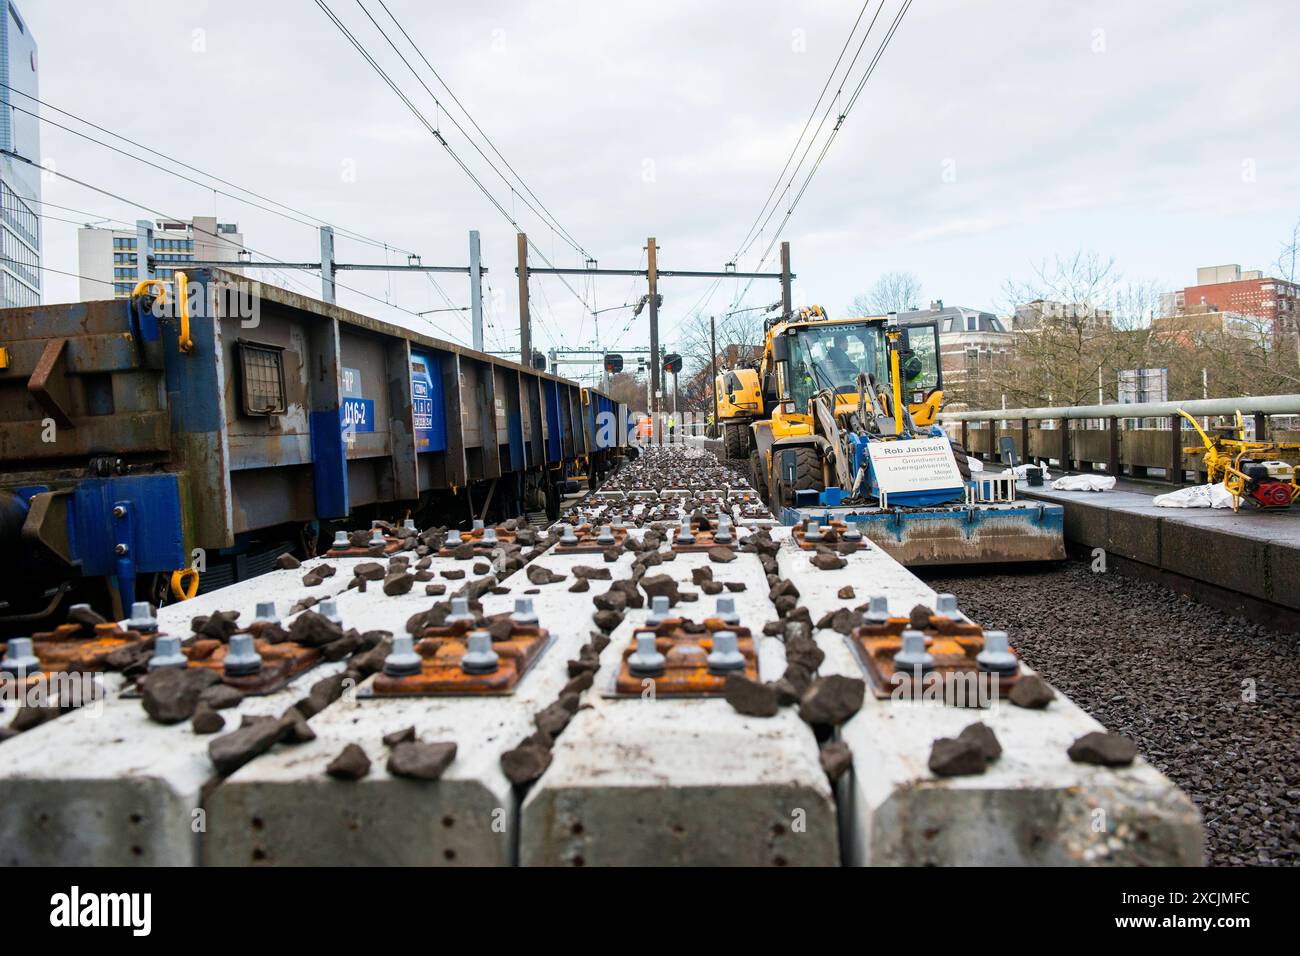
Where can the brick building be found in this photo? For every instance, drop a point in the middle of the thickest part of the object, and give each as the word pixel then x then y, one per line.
pixel 1228 289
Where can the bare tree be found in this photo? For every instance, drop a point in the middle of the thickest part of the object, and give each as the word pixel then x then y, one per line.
pixel 740 336
pixel 892 292
pixel 1066 356
pixel 627 389
pixel 1287 261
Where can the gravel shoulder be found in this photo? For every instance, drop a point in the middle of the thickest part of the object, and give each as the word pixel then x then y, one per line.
pixel 1211 700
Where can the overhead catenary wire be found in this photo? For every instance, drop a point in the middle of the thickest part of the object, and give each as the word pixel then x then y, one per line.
pixel 795 148
pixel 830 139
pixel 437 135
pixel 317 220
pixel 234 265
pixel 553 220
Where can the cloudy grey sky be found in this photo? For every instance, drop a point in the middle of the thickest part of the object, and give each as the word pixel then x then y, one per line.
pixel 991 135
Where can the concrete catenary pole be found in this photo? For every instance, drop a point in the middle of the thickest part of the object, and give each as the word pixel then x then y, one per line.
pixel 652 274
pixel 476 290
pixel 525 337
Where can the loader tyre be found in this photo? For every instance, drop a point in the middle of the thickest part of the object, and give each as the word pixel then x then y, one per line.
pixel 735 442
pixel 756 475
pixel 963 460
pixel 807 476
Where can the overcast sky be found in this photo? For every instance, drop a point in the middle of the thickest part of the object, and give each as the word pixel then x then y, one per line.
pixel 989 136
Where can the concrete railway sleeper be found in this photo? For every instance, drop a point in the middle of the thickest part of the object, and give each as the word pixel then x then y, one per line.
pixel 756 739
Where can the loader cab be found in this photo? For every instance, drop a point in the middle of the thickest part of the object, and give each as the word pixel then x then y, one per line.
pixel 820 356
pixel 920 361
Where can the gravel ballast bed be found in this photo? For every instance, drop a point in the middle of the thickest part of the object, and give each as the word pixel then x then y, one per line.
pixel 1171 674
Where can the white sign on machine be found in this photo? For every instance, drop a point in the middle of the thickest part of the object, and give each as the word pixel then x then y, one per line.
pixel 921 464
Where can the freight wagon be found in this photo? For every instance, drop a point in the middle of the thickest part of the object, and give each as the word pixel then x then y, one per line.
pixel 216 425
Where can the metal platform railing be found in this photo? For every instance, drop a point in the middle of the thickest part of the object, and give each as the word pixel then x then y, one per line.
pixel 1118 450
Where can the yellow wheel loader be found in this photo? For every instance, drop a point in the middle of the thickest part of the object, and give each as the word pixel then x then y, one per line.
pixel 838 423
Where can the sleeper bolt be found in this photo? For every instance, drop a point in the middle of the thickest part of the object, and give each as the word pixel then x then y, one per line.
pixel 480 658
pixel 409 524
pixel 606 535
pixel 242 658
pixel 266 613
pixel 453 538
pixel 684 535
pixel 567 537
pixel 459 611
pixel 878 612
pixel 167 653
pixel 490 536
pixel 478 524
pixel 376 535
pixel 329 608
pixel 658 610
pixel 727 610
pixel 997 656
pixel 913 656
pixel 402 660
pixel 341 539
pixel 142 618
pixel 947 606
pixel 19 658
pixel 524 613
pixel 813 531
pixel 852 533
pixel 725 656
pixel 646 661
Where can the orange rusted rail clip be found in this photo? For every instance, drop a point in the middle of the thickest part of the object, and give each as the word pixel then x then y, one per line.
pixel 836 534
pixel 893 651
pixel 679 656
pixel 460 658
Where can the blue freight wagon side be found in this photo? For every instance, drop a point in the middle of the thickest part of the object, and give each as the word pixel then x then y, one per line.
pixel 125 457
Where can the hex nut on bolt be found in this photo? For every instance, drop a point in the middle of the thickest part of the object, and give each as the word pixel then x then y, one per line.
pixel 402 660
pixel 266 613
pixel 19 658
pixel 878 612
pixel 996 656
pixel 946 604
pixel 658 610
pixel 726 655
pixel 913 656
pixel 524 614
pixel 242 658
pixel 459 612
pixel 479 658
pixel 646 661
pixel 727 610
pixel 142 618
pixel 329 609
pixel 167 653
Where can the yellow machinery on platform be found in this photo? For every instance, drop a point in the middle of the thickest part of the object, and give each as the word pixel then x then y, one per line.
pixel 1250 470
